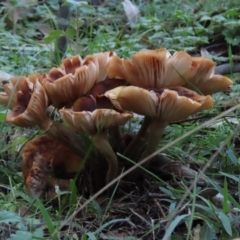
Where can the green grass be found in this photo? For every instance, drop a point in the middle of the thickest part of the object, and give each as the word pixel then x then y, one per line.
pixel 161 206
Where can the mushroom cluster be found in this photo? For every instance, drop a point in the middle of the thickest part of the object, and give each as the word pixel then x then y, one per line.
pixel 98 94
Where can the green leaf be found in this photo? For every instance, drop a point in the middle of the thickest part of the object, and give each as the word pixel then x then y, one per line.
pixel 7 217
pixel 233 177
pixel 84 237
pixel 53 35
pixel 207 232
pixel 71 32
pixel 109 223
pixel 91 236
pixel 73 196
pixel 75 3
pixel 76 24
pixel 24 235
pixel 225 222
pixel 167 192
pixel 205 18
pixel 207 220
pixel 2 115
pixel 21 235
pixel 173 226
pixel 5 148
pixel 47 218
pixel 220 190
pixel 232 156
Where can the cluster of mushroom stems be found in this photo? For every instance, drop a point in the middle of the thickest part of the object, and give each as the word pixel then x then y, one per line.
pixel 98 94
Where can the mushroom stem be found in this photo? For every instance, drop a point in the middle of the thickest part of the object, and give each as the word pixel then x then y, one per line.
pixel 137 144
pixel 116 137
pixel 154 135
pixel 106 150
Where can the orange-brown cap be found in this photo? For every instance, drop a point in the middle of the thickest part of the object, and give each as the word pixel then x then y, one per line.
pixel 153 68
pixel 70 87
pixel 167 105
pixel 66 84
pixel 32 113
pixel 158 69
pixel 92 122
pixel 205 80
pixel 103 60
pixel 69 65
pixel 16 84
pixel 134 99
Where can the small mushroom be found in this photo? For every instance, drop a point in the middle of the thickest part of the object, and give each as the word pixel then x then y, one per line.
pixel 160 108
pixel 96 124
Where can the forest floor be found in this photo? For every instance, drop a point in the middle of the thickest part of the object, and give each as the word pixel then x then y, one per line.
pixel 195 197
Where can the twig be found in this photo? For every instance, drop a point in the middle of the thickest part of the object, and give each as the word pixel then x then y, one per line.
pixel 201 117
pixel 226 68
pixel 160 207
pixel 143 219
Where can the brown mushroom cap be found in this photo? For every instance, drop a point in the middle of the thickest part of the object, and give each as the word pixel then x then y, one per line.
pixel 92 122
pixel 63 88
pixel 205 80
pixel 217 83
pixel 154 68
pixel 103 59
pixel 158 69
pixel 20 83
pixel 168 105
pixel 69 65
pixel 31 110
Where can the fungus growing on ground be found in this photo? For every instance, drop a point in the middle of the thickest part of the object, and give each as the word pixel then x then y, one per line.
pixel 95 94
pixel 157 69
pixel 160 107
pixel 96 124
pixel 42 157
